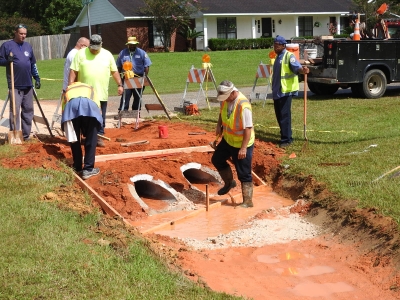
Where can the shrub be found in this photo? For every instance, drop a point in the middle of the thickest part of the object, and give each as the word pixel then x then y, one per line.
pixel 239 44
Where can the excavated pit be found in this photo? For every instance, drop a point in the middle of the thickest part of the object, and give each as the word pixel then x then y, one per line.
pixel 321 267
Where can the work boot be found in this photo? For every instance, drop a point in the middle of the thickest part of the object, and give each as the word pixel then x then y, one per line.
pixel 247 193
pixel 227 177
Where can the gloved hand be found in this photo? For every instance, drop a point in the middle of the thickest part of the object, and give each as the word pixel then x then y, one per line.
pixel 10 58
pixel 37 84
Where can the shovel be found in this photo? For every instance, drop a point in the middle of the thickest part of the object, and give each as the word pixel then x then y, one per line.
pixel 304 148
pixel 15 136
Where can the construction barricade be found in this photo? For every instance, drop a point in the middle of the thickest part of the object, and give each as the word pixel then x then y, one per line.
pixel 199 76
pixel 139 83
pixel 263 71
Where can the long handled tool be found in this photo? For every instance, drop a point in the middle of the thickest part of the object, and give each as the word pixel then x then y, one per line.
pixel 305 114
pixel 43 120
pixel 158 96
pixel 15 136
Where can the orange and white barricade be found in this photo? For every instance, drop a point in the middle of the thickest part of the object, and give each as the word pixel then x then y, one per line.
pixel 199 76
pixel 139 83
pixel 263 71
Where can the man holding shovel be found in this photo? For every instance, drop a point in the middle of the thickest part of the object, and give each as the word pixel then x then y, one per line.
pixel 17 56
pixel 235 124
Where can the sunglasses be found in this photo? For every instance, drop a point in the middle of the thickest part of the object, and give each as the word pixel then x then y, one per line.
pixel 20 26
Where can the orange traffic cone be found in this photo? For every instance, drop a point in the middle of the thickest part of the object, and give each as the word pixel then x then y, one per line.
pixel 356 36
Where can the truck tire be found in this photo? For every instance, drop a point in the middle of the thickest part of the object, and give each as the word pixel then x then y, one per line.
pixel 374 84
pixel 322 89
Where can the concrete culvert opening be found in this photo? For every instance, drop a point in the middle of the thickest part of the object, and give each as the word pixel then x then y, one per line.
pixel 148 189
pixel 198 176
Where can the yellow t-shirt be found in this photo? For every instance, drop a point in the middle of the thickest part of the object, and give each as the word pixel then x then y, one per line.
pixel 95 70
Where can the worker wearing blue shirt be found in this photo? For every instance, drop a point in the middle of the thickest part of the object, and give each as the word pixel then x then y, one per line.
pixel 285 85
pixel 140 67
pixel 20 54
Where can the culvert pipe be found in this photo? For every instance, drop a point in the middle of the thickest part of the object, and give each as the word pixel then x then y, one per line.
pixel 145 186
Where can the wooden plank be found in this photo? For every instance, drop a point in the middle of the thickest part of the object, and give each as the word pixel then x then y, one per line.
pixel 107 208
pixel 153 107
pixel 153 153
pixel 175 221
pixel 257 179
pixel 134 143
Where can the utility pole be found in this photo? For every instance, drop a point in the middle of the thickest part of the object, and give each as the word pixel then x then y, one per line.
pixel 87 2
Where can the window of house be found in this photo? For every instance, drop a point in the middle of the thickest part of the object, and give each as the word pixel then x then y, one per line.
pixel 305 26
pixel 154 35
pixel 226 28
pixel 98 29
pixel 157 37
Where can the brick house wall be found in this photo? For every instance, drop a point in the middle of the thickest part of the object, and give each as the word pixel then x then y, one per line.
pixel 116 34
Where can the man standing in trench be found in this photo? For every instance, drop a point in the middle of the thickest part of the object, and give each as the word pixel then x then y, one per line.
pixel 235 124
pixel 93 66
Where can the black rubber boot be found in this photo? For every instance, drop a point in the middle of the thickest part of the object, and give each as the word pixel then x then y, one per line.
pixel 247 193
pixel 227 177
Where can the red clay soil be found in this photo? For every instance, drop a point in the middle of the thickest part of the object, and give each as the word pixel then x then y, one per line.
pixel 336 265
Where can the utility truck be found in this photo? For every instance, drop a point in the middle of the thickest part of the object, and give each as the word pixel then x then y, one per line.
pixel 366 66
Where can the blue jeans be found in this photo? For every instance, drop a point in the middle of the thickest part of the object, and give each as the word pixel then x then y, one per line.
pixel 88 127
pixel 24 111
pixel 283 115
pixel 103 107
pixel 224 151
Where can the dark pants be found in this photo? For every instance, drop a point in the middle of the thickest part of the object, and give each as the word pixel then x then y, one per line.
pixel 283 115
pixel 88 127
pixel 128 93
pixel 103 107
pixel 24 111
pixel 243 166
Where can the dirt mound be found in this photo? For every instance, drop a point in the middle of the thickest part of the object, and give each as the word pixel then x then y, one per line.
pixel 360 243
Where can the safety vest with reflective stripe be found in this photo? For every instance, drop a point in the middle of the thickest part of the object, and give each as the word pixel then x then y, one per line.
pixel 233 126
pixel 289 80
pixel 79 89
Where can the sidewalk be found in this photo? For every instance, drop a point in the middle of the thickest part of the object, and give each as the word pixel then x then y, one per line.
pixel 170 101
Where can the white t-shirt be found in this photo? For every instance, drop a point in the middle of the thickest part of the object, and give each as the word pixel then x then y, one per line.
pixel 67 65
pixel 247 117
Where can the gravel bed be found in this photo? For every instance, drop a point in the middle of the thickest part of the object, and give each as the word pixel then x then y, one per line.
pixel 282 228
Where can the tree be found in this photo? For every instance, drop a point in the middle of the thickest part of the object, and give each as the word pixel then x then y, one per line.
pixel 169 16
pixel 52 15
pixel 7 27
pixel 190 35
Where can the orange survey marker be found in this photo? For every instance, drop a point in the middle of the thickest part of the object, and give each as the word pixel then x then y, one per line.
pixel 263 71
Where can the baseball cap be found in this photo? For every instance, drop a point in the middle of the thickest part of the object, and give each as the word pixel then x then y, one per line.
pixel 224 90
pixel 95 42
pixel 280 40
pixel 132 41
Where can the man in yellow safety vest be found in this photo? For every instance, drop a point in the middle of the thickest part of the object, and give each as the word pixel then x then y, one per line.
pixel 235 124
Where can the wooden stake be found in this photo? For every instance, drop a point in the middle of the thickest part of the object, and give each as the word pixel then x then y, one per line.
pixel 207 198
